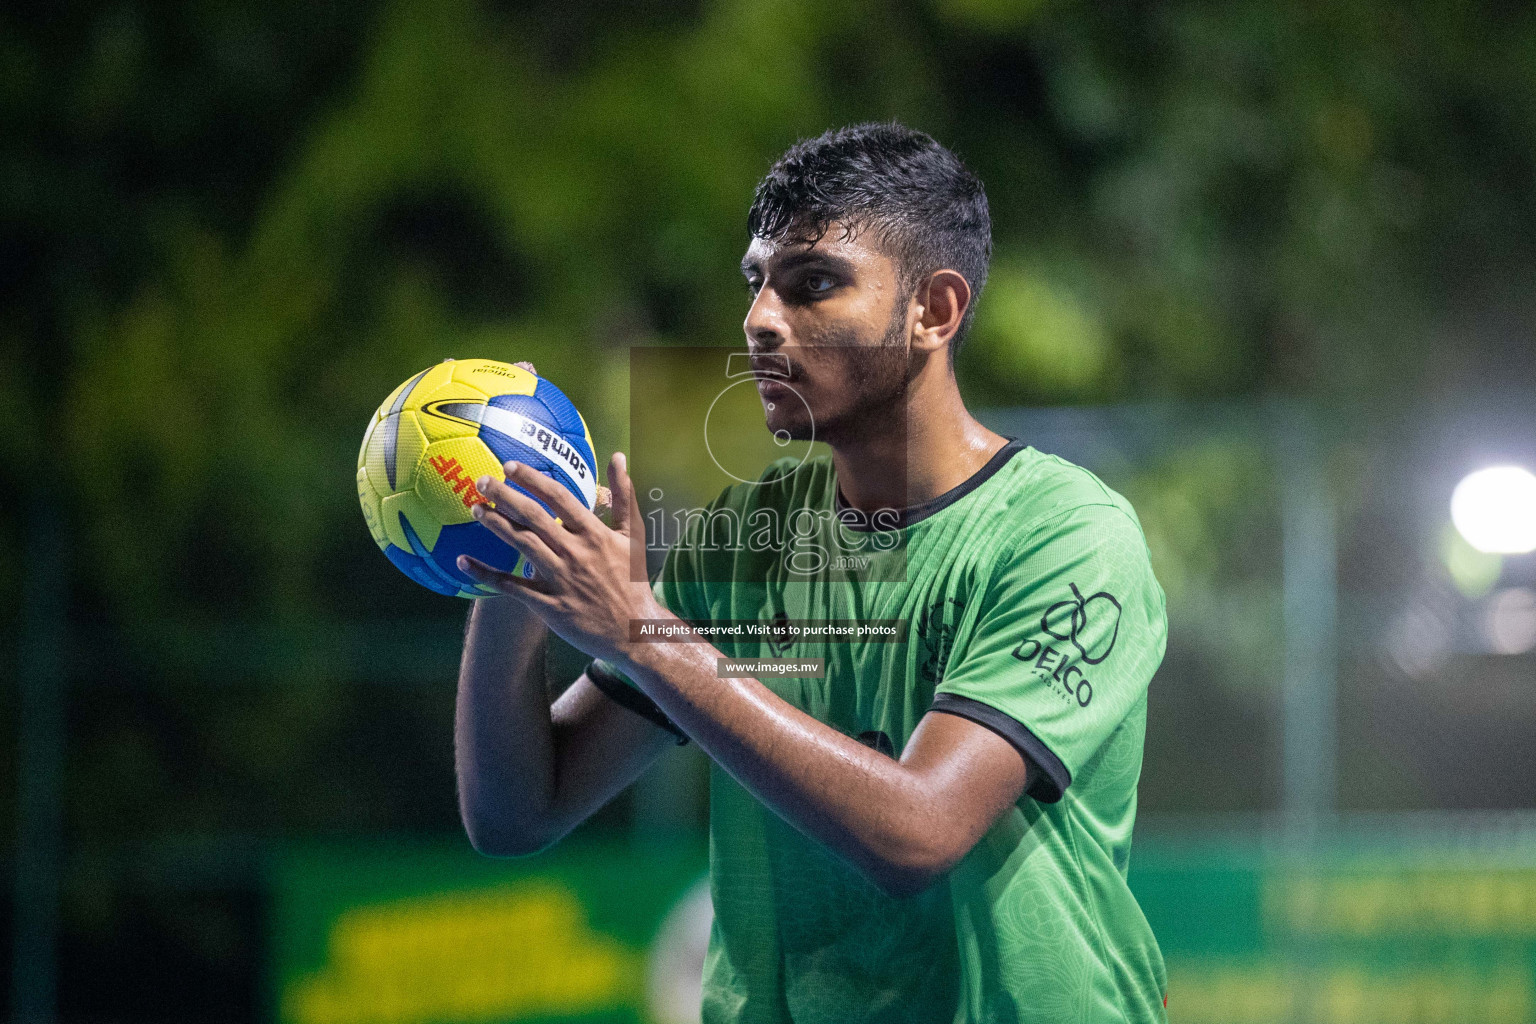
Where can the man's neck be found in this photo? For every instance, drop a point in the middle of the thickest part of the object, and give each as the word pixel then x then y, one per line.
pixel 941 446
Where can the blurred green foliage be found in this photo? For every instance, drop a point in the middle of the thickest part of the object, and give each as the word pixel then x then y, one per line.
pixel 232 228
pixel 228 230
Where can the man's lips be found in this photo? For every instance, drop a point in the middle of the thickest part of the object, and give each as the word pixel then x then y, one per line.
pixel 773 387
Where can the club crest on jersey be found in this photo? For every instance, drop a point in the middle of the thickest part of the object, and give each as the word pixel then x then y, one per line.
pixel 938 636
pixel 779 641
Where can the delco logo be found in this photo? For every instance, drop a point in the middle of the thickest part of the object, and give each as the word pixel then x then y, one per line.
pixel 549 442
pixel 1068 622
pixel 453 475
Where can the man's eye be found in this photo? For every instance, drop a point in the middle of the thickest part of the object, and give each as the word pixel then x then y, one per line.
pixel 753 286
pixel 818 283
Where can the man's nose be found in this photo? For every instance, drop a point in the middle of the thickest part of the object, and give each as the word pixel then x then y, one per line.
pixel 765 324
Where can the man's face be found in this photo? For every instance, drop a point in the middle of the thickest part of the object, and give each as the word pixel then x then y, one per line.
pixel 834 315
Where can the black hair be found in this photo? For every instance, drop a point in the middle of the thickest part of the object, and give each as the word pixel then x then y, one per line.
pixel 927 210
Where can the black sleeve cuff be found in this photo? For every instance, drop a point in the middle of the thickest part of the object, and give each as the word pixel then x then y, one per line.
pixel 621 693
pixel 1048 777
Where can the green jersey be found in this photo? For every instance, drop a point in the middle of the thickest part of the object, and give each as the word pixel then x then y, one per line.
pixel 1032 610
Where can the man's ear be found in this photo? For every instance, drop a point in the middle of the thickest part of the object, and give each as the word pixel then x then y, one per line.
pixel 943 300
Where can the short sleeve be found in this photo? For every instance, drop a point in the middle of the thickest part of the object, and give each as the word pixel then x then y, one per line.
pixel 1071 630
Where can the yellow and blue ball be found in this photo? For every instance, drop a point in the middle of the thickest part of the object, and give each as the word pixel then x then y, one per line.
pixel 439 432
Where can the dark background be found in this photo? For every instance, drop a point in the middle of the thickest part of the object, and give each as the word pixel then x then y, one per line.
pixel 228 230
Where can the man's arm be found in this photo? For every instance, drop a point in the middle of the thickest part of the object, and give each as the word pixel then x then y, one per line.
pixel 902 822
pixel 529 773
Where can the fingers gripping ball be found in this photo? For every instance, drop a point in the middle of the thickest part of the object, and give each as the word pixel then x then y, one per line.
pixel 439 432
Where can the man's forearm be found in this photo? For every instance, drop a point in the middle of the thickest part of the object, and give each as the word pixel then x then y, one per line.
pixel 503 738
pixel 875 811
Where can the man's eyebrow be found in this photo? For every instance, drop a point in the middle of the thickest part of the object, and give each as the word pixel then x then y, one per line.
pixel 749 265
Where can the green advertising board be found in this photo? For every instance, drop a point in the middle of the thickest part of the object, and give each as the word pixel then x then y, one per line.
pixel 1428 923
pixel 411 934
pixel 1422 922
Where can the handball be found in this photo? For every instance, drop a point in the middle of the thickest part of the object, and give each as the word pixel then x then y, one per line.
pixel 438 433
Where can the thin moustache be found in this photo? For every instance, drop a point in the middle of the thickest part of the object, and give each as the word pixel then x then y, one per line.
pixel 775 369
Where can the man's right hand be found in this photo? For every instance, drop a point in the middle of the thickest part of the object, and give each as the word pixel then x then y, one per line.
pixel 530 772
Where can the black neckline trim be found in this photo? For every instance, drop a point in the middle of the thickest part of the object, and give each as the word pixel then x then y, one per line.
pixel 857 521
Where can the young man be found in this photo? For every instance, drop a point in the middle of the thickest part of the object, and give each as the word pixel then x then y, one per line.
pixel 964 858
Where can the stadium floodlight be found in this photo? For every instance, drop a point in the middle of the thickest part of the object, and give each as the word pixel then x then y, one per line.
pixel 1495 510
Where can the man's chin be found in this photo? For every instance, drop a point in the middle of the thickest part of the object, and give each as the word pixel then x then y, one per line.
pixel 795 428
